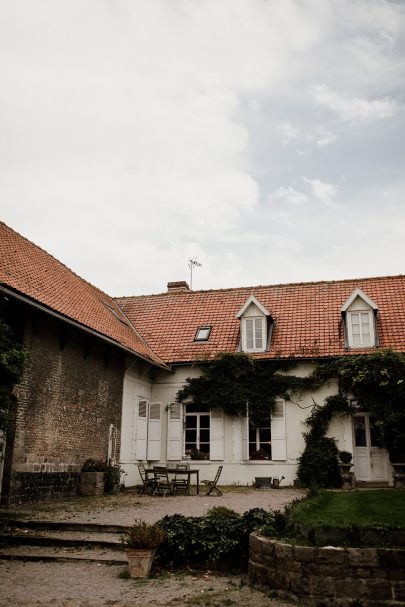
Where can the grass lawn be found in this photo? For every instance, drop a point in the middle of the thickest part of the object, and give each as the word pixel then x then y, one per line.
pixel 377 508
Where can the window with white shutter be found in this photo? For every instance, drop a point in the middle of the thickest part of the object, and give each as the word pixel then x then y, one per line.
pixel 153 452
pixel 266 442
pixel 141 429
pixel 278 431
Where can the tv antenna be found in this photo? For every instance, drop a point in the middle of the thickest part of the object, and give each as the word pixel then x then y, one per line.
pixel 193 263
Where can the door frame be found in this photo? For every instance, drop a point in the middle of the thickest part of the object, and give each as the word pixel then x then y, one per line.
pixel 370 461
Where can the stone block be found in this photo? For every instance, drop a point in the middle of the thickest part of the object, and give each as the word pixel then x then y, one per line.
pixel 351 588
pixel 322 586
pixel 283 552
pixel 363 557
pixel 305 554
pixel 332 555
pixel 301 584
pixel 399 590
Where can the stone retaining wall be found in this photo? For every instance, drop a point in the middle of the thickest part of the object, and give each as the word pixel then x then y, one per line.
pixel 322 577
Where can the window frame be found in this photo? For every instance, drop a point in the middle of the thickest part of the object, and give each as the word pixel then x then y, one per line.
pixel 262 348
pixel 350 335
pixel 203 328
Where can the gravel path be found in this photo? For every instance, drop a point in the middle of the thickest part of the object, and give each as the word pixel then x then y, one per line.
pixel 93 585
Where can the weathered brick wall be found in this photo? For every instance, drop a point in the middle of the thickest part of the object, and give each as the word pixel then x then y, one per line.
pixel 70 394
pixel 322 577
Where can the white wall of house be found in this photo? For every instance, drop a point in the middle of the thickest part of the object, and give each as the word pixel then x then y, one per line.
pixel 228 435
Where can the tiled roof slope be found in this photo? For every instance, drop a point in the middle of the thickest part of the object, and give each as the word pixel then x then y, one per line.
pixel 32 272
pixel 308 321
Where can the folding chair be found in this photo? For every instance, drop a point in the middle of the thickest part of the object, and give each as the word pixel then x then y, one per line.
pixel 161 480
pixel 212 485
pixel 181 485
pixel 148 484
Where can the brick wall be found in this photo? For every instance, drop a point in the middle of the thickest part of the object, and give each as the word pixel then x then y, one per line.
pixel 329 576
pixel 70 393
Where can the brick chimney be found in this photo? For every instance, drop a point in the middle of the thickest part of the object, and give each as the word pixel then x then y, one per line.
pixel 178 287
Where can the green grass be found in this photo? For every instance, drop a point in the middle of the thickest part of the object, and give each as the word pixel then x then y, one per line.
pixel 377 508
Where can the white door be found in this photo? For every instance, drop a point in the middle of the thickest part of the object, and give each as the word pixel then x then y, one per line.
pixel 370 462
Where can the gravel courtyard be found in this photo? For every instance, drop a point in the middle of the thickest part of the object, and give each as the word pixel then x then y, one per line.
pixel 91 585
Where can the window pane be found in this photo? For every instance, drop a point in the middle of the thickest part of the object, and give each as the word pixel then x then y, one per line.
pixel 204 421
pixel 252 435
pixel 374 433
pixel 205 448
pixel 264 435
pixel 356 340
pixel 249 333
pixel 360 439
pixel 191 436
pixel 204 436
pixel 265 448
pixel 191 421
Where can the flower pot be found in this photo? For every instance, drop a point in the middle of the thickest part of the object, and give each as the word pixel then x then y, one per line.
pixel 348 480
pixel 91 483
pixel 398 474
pixel 140 561
pixel 262 481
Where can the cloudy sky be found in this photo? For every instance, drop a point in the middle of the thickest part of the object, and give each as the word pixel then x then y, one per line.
pixel 265 137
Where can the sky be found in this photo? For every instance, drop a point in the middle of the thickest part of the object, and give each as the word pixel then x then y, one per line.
pixel 264 138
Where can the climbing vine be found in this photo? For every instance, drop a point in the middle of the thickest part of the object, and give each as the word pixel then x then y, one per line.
pixel 377 382
pixel 231 381
pixel 318 463
pixel 12 357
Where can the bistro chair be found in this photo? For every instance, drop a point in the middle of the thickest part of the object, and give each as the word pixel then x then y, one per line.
pixel 148 484
pixel 212 485
pixel 180 484
pixel 162 483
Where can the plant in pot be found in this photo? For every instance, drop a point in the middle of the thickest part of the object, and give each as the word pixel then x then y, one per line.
pixel 140 544
pixel 345 463
pixel 91 480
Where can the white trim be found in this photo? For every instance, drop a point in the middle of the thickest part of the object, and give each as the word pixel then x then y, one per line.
pixel 363 296
pixel 252 300
pixel 263 331
pixel 350 339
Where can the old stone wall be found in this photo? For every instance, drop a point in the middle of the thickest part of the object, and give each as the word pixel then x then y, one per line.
pixel 70 393
pixel 322 577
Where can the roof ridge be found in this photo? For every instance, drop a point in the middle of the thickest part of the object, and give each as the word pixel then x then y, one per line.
pixel 248 287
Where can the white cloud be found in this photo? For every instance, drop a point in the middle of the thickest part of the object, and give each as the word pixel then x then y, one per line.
pixel 324 192
pixel 324 137
pixel 354 109
pixel 287 132
pixel 288 195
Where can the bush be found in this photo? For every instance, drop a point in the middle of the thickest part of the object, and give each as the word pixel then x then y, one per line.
pixel 220 539
pixel 319 464
pixel 345 457
pixel 142 535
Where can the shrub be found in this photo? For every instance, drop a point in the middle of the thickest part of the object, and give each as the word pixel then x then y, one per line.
pixel 143 535
pixel 345 457
pixel 112 473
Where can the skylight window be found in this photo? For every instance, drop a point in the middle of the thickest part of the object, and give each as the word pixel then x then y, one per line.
pixel 202 334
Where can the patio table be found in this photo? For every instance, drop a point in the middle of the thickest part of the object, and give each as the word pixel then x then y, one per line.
pixel 179 471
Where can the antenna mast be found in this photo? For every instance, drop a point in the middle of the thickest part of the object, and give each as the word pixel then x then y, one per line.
pixel 193 263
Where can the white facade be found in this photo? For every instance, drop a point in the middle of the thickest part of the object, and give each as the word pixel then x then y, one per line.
pixel 156 429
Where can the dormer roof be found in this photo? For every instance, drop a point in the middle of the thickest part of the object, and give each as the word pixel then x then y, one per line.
pixel 358 293
pixel 252 300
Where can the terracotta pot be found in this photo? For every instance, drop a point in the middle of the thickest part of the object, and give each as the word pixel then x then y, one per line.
pixel 91 483
pixel 139 561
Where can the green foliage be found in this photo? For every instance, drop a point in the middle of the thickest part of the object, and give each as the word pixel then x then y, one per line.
pixel 143 535
pixel 112 473
pixel 220 539
pixel 319 461
pixel 12 359
pixel 377 381
pixel 345 457
pixel 231 381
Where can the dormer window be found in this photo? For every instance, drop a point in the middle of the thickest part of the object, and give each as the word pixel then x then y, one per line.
pixel 203 333
pixel 359 313
pixel 255 322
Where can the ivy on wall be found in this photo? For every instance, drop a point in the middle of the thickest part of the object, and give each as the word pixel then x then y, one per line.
pixel 232 381
pixel 12 357
pixel 377 382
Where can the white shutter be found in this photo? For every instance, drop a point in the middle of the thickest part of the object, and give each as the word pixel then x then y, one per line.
pixel 278 431
pixel 217 450
pixel 153 451
pixel 174 432
pixel 141 429
pixel 245 437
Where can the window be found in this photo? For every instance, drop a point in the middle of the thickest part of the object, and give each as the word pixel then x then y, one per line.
pixel 267 442
pixel 359 314
pixel 202 334
pixel 255 319
pixel 360 329
pixel 148 429
pixel 197 432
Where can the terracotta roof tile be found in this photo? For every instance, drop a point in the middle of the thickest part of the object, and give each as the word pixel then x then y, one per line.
pixel 32 272
pixel 308 322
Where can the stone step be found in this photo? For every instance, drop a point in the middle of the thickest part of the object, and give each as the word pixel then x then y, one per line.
pixel 43 537
pixel 60 554
pixel 11 523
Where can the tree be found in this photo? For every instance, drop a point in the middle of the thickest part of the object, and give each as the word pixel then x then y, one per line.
pixel 12 358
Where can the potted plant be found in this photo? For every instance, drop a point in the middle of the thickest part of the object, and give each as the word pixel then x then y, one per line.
pixel 141 542
pixel 91 480
pixel 345 463
pixel 112 478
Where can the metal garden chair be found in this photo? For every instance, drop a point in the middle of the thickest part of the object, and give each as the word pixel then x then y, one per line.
pixel 162 483
pixel 148 484
pixel 180 484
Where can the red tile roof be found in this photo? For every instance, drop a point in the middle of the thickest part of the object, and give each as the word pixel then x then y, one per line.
pixel 308 321
pixel 32 272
